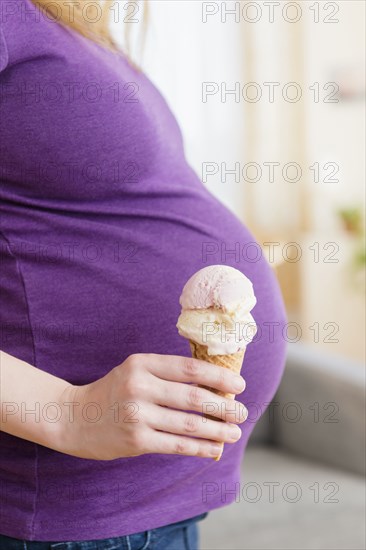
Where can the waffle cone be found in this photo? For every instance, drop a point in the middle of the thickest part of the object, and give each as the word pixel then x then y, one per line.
pixel 232 362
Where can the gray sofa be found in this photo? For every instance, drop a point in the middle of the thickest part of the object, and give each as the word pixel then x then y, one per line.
pixel 312 440
pixel 319 410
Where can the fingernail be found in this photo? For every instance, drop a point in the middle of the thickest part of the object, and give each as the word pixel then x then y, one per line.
pixel 215 450
pixel 239 383
pixel 235 433
pixel 244 413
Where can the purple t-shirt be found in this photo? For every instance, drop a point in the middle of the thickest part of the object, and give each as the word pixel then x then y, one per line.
pixel 102 223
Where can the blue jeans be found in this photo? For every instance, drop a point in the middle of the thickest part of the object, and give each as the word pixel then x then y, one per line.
pixel 176 536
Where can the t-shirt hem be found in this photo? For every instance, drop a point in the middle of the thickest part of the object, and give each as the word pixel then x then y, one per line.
pixel 87 531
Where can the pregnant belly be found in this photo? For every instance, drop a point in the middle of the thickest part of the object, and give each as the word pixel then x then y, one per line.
pixel 109 287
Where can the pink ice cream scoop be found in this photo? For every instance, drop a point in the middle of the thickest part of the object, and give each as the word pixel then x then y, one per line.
pixel 217 286
pixel 216 303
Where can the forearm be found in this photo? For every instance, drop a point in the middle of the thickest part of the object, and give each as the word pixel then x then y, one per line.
pixel 32 403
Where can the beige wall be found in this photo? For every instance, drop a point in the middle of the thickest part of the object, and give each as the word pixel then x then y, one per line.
pixel 183 52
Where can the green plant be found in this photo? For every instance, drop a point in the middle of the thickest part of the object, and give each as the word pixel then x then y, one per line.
pixel 352 220
pixel 360 256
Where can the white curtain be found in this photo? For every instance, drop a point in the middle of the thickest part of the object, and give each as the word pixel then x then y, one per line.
pixel 284 51
pixel 195 47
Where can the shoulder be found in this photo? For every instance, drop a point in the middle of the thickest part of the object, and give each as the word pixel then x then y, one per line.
pixel 4 54
pixel 17 14
pixel 14 17
pixel 22 25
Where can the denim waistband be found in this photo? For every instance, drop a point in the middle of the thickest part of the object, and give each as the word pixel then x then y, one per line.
pixel 181 535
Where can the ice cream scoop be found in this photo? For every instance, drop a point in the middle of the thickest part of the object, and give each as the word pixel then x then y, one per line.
pixel 215 318
pixel 218 286
pixel 216 303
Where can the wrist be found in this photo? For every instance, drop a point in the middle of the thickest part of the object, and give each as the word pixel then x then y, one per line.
pixel 67 432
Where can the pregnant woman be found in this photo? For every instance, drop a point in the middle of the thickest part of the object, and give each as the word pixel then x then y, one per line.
pixel 102 223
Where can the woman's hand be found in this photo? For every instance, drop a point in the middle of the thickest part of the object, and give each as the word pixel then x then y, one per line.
pixel 140 407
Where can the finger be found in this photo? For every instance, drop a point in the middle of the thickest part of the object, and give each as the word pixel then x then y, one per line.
pixel 187 397
pixel 165 443
pixel 190 424
pixel 187 369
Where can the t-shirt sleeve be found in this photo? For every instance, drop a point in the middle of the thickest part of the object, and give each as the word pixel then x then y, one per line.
pixel 4 56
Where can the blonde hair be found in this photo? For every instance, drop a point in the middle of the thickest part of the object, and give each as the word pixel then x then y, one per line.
pixel 92 19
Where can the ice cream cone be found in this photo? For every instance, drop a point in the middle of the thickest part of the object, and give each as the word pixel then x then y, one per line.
pixel 215 318
pixel 232 362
